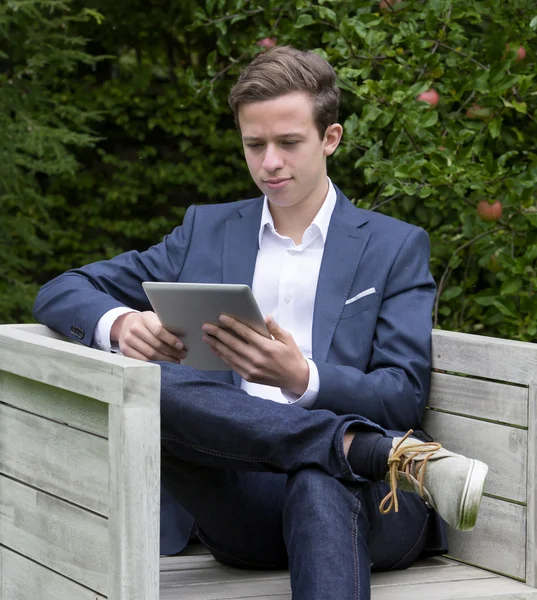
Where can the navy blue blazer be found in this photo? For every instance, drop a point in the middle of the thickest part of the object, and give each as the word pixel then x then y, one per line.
pixel 373 354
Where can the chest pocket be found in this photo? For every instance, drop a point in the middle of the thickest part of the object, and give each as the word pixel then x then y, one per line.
pixel 361 304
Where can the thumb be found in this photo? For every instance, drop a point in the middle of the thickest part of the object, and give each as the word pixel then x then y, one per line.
pixel 274 329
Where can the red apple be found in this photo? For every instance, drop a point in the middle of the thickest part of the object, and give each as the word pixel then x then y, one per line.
pixel 489 212
pixel 266 43
pixel 385 5
pixel 430 96
pixel 520 52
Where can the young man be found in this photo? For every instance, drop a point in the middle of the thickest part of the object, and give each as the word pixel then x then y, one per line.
pixel 281 459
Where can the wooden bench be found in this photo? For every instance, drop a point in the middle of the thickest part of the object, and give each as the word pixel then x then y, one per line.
pixel 79 478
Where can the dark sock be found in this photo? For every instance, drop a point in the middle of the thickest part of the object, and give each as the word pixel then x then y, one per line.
pixel 369 453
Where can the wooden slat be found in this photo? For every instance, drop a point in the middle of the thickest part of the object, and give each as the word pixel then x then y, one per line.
pixel 503 448
pixel 60 460
pixel 178 563
pixel 58 535
pixel 250 585
pixel 453 582
pixel 531 539
pixel 483 399
pixel 217 574
pixel 201 559
pixel 498 540
pixel 134 498
pixel 53 403
pixel 85 371
pixel 212 572
pixel 487 357
pixel 486 589
pixel 22 579
pixel 42 330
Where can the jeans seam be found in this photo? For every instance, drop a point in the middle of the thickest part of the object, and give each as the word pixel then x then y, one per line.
pixel 356 509
pixel 216 452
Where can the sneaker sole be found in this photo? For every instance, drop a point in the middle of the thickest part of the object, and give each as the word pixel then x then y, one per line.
pixel 472 494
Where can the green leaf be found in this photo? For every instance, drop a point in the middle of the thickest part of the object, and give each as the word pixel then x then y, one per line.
pixel 533 23
pixel 485 300
pixel 511 286
pixel 520 107
pixel 303 21
pixel 506 308
pixel 451 293
pixel 327 13
pixel 455 261
pixel 430 119
pixel 495 127
pixel 531 253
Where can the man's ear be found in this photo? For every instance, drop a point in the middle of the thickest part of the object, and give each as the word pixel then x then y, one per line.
pixel 332 137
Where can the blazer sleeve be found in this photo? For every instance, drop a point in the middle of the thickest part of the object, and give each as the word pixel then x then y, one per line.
pixel 73 302
pixel 394 389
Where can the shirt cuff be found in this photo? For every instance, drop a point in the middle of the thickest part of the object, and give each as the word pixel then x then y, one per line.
pixel 307 400
pixel 101 336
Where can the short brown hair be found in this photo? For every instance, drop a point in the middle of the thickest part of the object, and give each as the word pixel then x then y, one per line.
pixel 283 70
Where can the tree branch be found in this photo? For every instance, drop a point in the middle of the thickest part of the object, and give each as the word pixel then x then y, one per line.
pixel 448 270
pixel 228 66
pixel 482 66
pixel 229 17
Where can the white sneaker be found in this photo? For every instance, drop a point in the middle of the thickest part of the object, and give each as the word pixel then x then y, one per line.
pixel 451 483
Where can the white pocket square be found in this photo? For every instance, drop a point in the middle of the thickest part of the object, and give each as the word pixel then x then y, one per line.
pixel 361 295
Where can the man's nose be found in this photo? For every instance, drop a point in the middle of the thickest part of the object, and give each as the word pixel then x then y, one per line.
pixel 272 159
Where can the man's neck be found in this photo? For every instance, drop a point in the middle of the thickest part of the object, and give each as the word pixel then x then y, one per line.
pixel 293 221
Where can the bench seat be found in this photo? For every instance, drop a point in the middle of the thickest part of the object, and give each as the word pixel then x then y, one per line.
pixel 200 577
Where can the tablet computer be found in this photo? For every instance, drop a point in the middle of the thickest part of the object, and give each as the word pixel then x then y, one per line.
pixel 184 307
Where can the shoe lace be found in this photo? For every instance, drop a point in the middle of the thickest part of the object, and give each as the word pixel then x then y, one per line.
pixel 402 461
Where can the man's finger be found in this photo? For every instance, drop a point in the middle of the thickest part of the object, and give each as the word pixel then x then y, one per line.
pixel 228 337
pixel 153 325
pixel 242 330
pixel 136 346
pixel 236 362
pixel 275 330
pixel 157 343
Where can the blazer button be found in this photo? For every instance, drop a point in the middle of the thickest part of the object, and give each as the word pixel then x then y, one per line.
pixel 77 332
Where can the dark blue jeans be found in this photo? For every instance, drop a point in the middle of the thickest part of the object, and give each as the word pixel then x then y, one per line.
pixel 270 488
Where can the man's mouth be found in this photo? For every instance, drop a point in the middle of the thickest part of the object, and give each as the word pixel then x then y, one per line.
pixel 277 182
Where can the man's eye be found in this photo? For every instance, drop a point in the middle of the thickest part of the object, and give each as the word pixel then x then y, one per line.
pixel 254 145
pixel 290 143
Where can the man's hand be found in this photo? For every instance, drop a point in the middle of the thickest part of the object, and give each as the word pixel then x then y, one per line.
pixel 141 335
pixel 277 362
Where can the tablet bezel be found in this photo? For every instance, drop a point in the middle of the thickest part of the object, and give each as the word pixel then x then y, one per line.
pixel 183 308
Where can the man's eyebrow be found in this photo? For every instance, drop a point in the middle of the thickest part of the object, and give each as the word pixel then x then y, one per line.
pixel 248 138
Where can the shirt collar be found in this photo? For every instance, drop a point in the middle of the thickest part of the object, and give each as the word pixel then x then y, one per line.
pixel 320 222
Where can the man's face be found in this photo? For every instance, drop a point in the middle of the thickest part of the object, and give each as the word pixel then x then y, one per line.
pixel 283 150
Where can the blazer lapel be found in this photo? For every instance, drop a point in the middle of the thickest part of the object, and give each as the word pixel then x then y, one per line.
pixel 344 247
pixel 241 243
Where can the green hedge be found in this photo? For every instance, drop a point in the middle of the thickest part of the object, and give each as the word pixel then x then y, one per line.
pixel 152 80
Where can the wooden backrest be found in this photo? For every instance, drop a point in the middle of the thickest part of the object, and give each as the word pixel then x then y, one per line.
pixel 79 471
pixel 483 403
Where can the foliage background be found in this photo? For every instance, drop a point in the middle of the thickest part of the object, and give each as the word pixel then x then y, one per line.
pixel 114 119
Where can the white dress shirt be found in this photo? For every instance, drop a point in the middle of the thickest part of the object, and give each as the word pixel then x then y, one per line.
pixel 284 286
